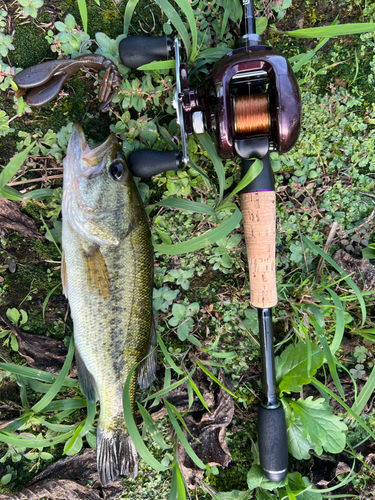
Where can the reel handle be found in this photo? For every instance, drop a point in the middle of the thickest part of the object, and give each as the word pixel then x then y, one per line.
pixel 149 162
pixel 136 51
pixel 273 442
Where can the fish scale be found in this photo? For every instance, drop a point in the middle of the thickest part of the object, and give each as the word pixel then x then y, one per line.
pixel 107 275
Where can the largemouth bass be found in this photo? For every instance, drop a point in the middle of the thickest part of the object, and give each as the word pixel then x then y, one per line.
pixel 107 275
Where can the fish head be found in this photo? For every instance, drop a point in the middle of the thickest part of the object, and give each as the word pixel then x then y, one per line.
pixel 100 199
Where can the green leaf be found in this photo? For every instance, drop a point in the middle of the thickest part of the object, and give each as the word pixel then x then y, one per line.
pixel 130 6
pixel 14 440
pixel 50 235
pixel 91 412
pixel 152 428
pixel 250 175
pixel 209 147
pixel 168 388
pixel 9 193
pixel 324 429
pixel 83 12
pixel 261 25
pixel 158 65
pixel 182 204
pixel 75 444
pixel 167 356
pixel 212 377
pixel 189 13
pixel 256 479
pixel 13 166
pixel 38 194
pixel 342 273
pixel 305 58
pixel 25 371
pixel 178 490
pixel 13 315
pixel 6 479
pixel 291 366
pixel 340 321
pixel 68 404
pixel 91 440
pixel 189 450
pixel 297 445
pixel 176 20
pixel 132 427
pixel 333 31
pixel 322 387
pixel 47 299
pixel 365 394
pixel 328 355
pixel 192 384
pixel 202 241
pixel 13 342
pixel 59 382
pixel 369 252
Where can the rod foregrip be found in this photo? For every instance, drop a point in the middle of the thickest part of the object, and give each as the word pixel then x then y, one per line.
pixel 138 50
pixel 259 221
pixel 273 443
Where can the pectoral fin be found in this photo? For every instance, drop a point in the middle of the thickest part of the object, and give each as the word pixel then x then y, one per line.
pixel 97 272
pixel 64 277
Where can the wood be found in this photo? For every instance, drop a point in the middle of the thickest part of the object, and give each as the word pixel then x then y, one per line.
pixel 259 220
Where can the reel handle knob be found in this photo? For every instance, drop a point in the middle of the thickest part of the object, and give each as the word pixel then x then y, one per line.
pixel 149 162
pixel 136 51
pixel 273 442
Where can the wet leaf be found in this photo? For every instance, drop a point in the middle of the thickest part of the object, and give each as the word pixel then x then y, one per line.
pixel 209 429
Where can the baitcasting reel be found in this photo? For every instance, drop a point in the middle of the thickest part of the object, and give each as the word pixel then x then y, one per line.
pixel 251 105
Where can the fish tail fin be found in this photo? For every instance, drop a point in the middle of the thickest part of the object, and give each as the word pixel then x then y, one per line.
pixel 116 454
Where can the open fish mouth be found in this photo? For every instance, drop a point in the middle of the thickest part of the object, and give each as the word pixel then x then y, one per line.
pixel 82 161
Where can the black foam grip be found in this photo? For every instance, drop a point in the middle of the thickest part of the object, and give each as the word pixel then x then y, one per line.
pixel 273 443
pixel 149 162
pixel 138 50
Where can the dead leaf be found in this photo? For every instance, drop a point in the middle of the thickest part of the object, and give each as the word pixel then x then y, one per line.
pixel 41 353
pixel 209 429
pixel 67 480
pixel 60 489
pixel 364 271
pixel 11 217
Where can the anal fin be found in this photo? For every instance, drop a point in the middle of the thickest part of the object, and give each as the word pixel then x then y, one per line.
pixel 147 369
pixel 85 379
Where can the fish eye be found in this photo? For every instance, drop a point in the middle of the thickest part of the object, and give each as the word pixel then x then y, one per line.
pixel 116 170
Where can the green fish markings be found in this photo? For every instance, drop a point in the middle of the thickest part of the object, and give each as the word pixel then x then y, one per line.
pixel 107 275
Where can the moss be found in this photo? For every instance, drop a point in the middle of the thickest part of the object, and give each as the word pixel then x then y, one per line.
pixel 105 18
pixel 30 46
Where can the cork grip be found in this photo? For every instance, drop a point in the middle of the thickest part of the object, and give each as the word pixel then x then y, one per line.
pixel 259 220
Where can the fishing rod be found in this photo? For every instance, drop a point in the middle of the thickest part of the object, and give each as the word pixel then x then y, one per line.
pixel 251 105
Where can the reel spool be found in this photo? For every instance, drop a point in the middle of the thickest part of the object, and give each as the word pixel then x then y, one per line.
pixel 251 116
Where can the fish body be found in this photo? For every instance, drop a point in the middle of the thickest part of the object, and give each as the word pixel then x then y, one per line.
pixel 107 275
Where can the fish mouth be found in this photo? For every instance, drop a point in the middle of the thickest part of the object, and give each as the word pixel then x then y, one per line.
pixel 82 161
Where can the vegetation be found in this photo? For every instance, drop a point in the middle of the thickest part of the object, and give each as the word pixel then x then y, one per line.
pixel 324 320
